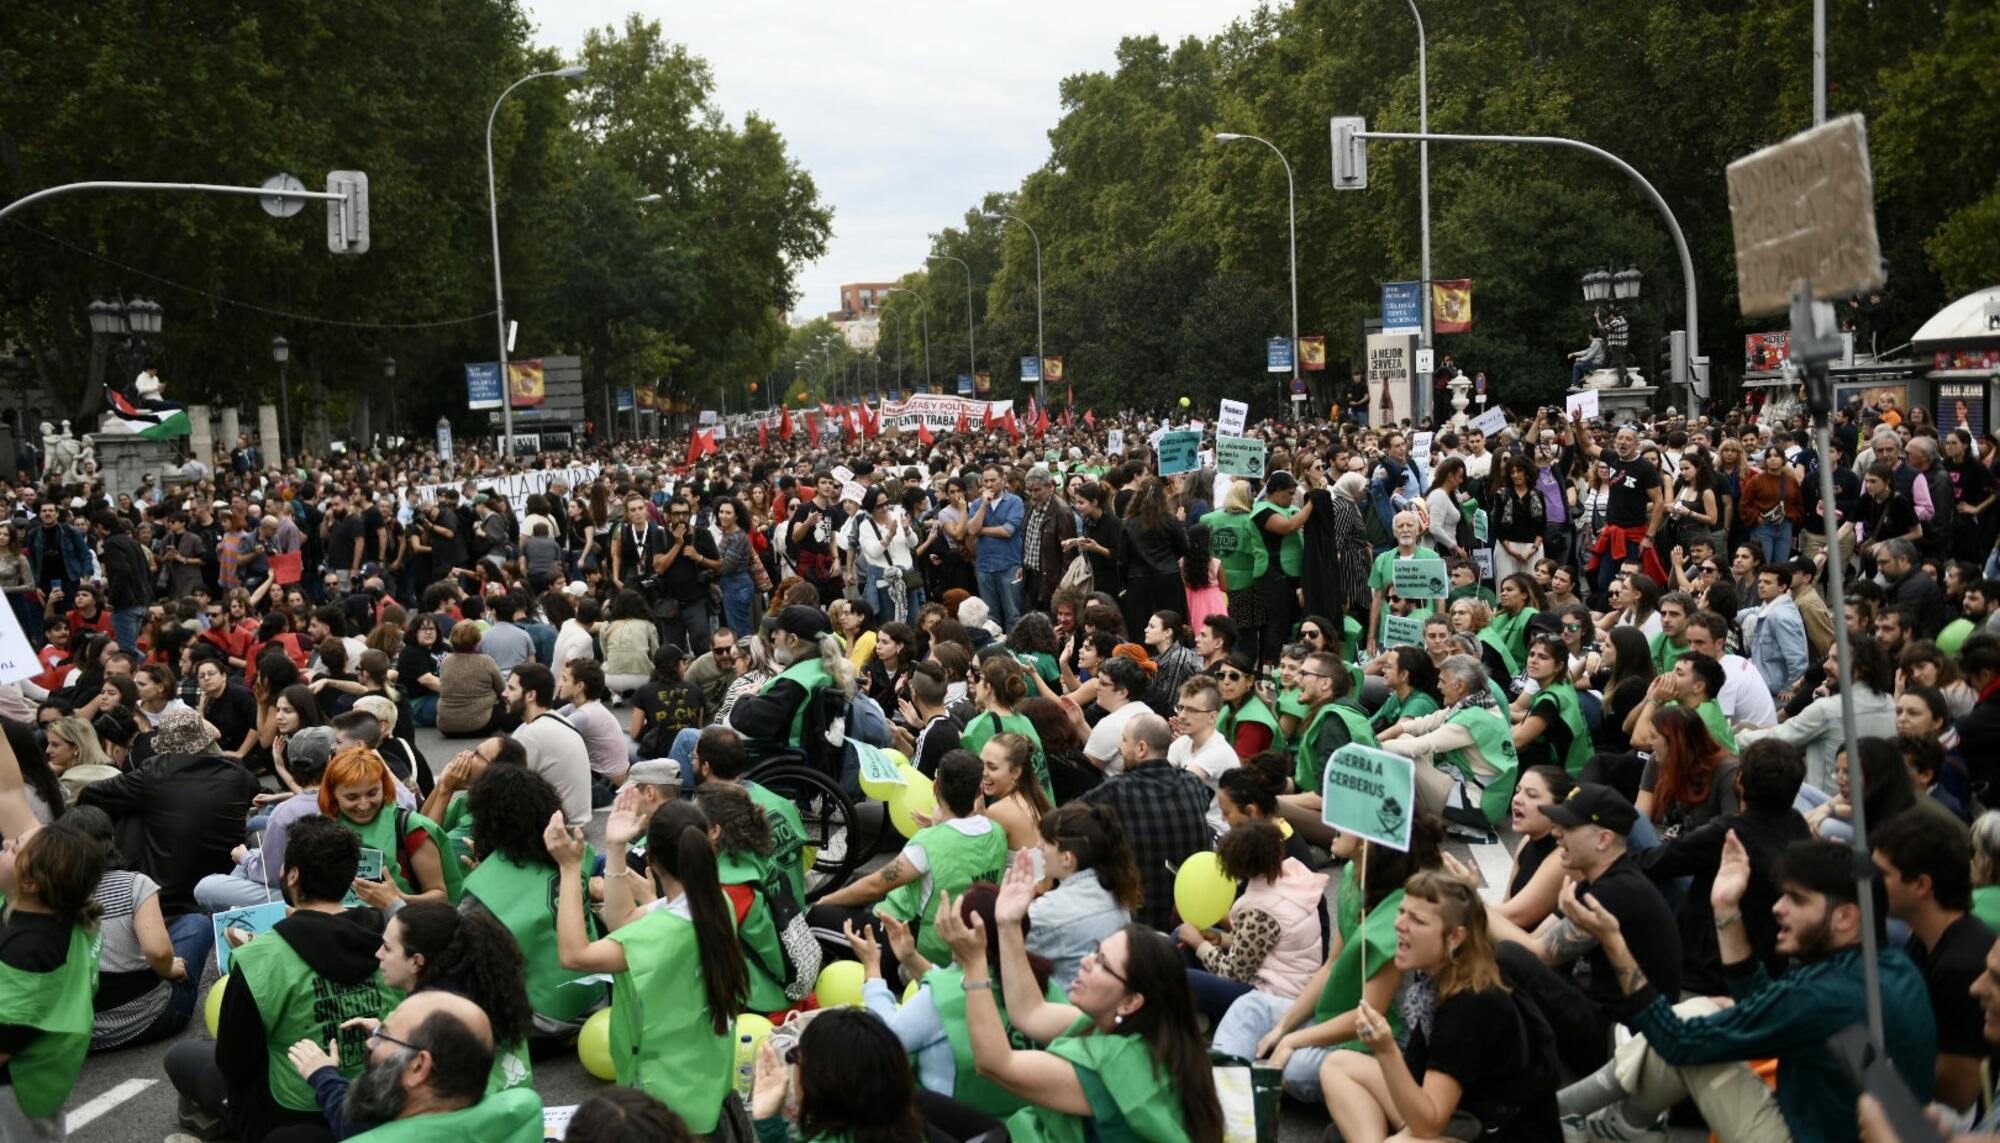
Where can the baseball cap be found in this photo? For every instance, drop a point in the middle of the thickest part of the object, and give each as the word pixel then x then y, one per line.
pixel 654 772
pixel 1592 804
pixel 801 620
pixel 1803 567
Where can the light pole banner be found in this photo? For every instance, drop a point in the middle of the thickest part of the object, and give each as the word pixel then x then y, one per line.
pixel 965 384
pixel 1402 307
pixel 1452 306
pixel 1278 355
pixel 1052 367
pixel 1312 354
pixel 482 385
pixel 626 400
pixel 1031 370
pixel 526 385
pixel 1389 386
pixel 444 440
pixel 982 382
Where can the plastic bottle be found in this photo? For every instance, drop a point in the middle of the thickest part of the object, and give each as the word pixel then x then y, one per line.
pixel 746 1069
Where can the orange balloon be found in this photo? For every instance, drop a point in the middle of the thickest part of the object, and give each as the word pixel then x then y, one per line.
pixel 753 386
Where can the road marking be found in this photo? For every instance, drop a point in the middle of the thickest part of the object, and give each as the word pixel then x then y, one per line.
pixel 83 1116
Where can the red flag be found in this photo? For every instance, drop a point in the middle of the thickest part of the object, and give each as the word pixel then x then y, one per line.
pixel 924 433
pixel 871 422
pixel 986 417
pixel 1069 414
pixel 785 424
pixel 1089 419
pixel 700 443
pixel 1041 424
pixel 964 423
pixel 812 429
pixel 763 435
pixel 1013 430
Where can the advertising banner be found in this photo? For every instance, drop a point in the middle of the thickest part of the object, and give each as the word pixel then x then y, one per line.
pixel 1052 368
pixel 1402 307
pixel 965 384
pixel 1278 355
pixel 982 382
pixel 625 400
pixel 1962 405
pixel 1389 358
pixel 1031 370
pixel 482 385
pixel 1766 352
pixel 644 396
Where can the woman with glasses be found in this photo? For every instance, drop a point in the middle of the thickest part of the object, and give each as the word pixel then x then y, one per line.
pixel 1124 1058
pixel 1245 721
pixel 1584 655
pixel 1549 727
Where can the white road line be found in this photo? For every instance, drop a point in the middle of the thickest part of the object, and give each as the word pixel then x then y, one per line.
pixel 83 1116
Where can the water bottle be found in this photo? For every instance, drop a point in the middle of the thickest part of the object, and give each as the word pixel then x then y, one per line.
pixel 746 1069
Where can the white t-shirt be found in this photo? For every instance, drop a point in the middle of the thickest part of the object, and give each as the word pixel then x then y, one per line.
pixel 1209 764
pixel 1102 747
pixel 1745 697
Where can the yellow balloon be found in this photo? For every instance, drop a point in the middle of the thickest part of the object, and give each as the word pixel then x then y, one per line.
pixel 1201 892
pixel 754 1026
pixel 839 984
pixel 881 791
pixel 918 795
pixel 212 1007
pixel 911 990
pixel 593 1045
pixel 1185 402
pixel 809 856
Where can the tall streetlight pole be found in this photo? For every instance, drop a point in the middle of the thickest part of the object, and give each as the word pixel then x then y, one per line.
pixel 1422 392
pixel 281 352
pixel 1292 216
pixel 1041 361
pixel 971 353
pixel 499 289
pixel 925 302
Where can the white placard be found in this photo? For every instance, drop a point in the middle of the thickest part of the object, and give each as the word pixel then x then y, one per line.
pixel 1426 362
pixel 842 473
pixel 1489 422
pixel 1198 426
pixel 1114 441
pixel 1235 415
pixel 851 491
pixel 1420 448
pixel 1484 558
pixel 17 655
pixel 1582 404
pixel 707 417
pixel 721 432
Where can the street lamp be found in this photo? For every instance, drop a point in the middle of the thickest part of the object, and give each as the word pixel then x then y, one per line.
pixel 142 317
pixel 127 322
pixel 1625 284
pixel 499 290
pixel 1597 286
pixel 1292 215
pixel 1041 362
pixel 281 352
pixel 927 327
pixel 971 353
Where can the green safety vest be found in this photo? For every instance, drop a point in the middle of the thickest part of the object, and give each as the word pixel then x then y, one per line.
pixel 811 674
pixel 1509 634
pixel 662 1039
pixel 1665 651
pixel 1571 713
pixel 513 1116
pixel 956 861
pixel 296 1003
pixel 1239 544
pixel 457 825
pixel 947 987
pixel 1290 705
pixel 58 1003
pixel 1374 935
pixel 523 899
pixel 788 836
pixel 986 724
pixel 1292 548
pixel 1308 764
pixel 1131 1099
pixel 511 1069
pixel 382 834
pixel 1389 713
pixel 1494 739
pixel 1253 711
pixel 758 933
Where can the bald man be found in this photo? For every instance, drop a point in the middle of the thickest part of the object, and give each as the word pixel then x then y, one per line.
pixel 1163 808
pixel 428 1065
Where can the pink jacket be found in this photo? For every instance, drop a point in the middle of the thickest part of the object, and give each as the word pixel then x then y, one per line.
pixel 1293 899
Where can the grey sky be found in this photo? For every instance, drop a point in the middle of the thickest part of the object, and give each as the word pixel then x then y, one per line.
pixel 905 112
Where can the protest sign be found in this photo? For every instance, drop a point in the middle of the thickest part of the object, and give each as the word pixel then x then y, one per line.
pixel 1419 578
pixel 877 766
pixel 1420 448
pixel 1235 415
pixel 1179 451
pixel 235 928
pixel 1402 631
pixel 1489 422
pixel 1114 442
pixel 17 655
pixel 1584 404
pixel 1372 794
pixel 1240 456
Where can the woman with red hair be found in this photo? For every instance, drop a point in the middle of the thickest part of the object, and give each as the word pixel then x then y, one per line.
pixel 358 792
pixel 1690 779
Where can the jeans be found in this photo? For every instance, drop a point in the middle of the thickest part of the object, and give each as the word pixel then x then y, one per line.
pixel 682 751
pixel 29 613
pixel 193 936
pixel 739 591
pixel 125 625
pixel 424 710
pixel 219 891
pixel 1252 1016
pixel 1214 995
pixel 1578 370
pixel 1774 540
pixel 1002 594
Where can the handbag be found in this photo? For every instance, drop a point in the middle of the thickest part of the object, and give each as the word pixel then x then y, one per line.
pixel 1078 575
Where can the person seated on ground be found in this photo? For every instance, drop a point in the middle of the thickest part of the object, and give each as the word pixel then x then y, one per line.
pixel 426 1078
pixel 580 689
pixel 1246 721
pixel 1481 1066
pixel 719 757
pixel 1413 684
pixel 962 846
pixel 626 1115
pixel 1273 941
pixel 850 1082
pixel 1166 810
pixel 306 979
pixel 254 880
pixel 1532 880
pixel 1466 761
pixel 1332 720
pixel 1690 778
pixel 1199 749
pixel 1250 793
pixel 1928 767
pixel 999 685
pixel 448 805
pixel 1704 1052
pixel 1011 796
pixel 1692 684
pixel 1817 729
pixel 1297 1036
pixel 145 990
pixel 1549 727
pixel 470 687
pixel 1745 699
pixel 742 838
pixel 358 791
pixel 514 880
pixel 1121 685
pixel 665 705
pixel 406 763
pixel 556 748
pixel 1124 1057
pixel 1095 886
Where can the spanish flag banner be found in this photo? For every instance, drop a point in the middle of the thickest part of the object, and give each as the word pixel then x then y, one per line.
pixel 1451 306
pixel 525 384
pixel 643 397
pixel 1052 369
pixel 1312 353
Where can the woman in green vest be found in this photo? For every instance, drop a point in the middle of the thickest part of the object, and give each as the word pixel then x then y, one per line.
pixel 1000 683
pixel 851 1079
pixel 1246 721
pixel 1291 709
pixel 1507 631
pixel 1124 1058
pixel 1413 681
pixel 515 882
pixel 49 947
pixel 678 977
pixel 1234 539
pixel 358 791
pixel 742 836
pixel 1281 526
pixel 1550 729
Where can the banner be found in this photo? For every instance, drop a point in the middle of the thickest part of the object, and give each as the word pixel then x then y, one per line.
pixel 1766 352
pixel 444 440
pixel 939 413
pixel 644 396
pixel 1052 368
pixel 625 400
pixel 1389 357
pixel 517 486
pixel 527 386
pixel 1402 307
pixel 482 385
pixel 1278 355
pixel 1312 354
pixel 1962 405
pixel 1451 306
pixel 1031 370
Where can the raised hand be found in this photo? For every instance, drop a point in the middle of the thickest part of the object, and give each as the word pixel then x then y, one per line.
pixel 968 942
pixel 1732 877
pixel 902 941
pixel 1017 890
pixel 627 822
pixel 565 845
pixel 865 949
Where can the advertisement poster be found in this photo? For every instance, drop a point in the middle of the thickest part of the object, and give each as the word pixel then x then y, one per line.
pixel 1031 370
pixel 1278 355
pixel 1052 368
pixel 983 382
pixel 1766 352
pixel 1962 405
pixel 1873 396
pixel 482 385
pixel 1389 357
pixel 1402 307
pixel 625 400
pixel 965 384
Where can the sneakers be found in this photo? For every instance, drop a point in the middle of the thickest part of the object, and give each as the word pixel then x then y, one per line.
pixel 1609 1123
pixel 199 1124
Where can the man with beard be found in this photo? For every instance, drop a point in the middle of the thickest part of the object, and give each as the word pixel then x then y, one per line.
pixel 1697 1050
pixel 556 748
pixel 1636 510
pixel 775 716
pixel 426 1079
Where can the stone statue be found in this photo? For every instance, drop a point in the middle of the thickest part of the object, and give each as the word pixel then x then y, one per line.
pixel 66 454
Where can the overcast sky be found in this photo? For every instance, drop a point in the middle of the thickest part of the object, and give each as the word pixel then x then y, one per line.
pixel 905 112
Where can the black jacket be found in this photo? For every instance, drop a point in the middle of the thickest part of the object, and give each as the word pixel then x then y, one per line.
pixel 125 570
pixel 178 817
pixel 1697 854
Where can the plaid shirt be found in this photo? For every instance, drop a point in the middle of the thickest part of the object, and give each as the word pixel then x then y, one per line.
pixel 1164 811
pixel 1031 537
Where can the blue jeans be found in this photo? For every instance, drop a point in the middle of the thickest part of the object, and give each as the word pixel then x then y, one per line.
pixel 1213 994
pixel 1250 1017
pixel 739 591
pixel 125 625
pixel 193 937
pixel 1002 593
pixel 1774 540
pixel 682 751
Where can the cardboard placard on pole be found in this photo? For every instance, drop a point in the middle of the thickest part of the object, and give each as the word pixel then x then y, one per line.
pixel 1240 456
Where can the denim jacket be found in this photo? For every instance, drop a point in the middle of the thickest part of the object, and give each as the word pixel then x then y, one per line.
pixel 78 563
pixel 1069 921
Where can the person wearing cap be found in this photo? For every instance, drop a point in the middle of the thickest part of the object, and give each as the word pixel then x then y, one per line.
pixel 809 660
pixel 1592 830
pixel 255 880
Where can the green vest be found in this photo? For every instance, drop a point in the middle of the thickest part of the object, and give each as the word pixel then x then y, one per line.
pixel 956 861
pixel 1377 935
pixel 1131 1099
pixel 662 1039
pixel 296 1003
pixel 1252 711
pixel 1292 548
pixel 1308 761
pixel 986 724
pixel 1237 542
pixel 513 1116
pixel 947 987
pixel 811 674
pixel 758 934
pixel 1493 738
pixel 788 836
pixel 523 899
pixel 511 1069
pixel 1417 705
pixel 1718 724
pixel 1665 651
pixel 57 1002
pixel 457 825
pixel 381 834
pixel 1509 633
pixel 1571 713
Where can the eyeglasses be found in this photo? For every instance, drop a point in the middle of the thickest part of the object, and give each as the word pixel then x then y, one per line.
pixel 1231 676
pixel 1310 633
pixel 1096 954
pixel 1572 626
pixel 1315 674
pixel 1183 708
pixel 377 1035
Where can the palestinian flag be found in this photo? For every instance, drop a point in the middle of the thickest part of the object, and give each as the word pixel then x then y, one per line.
pixel 152 424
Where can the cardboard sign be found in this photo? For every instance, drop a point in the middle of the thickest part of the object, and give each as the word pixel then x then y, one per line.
pixel 877 766
pixel 288 567
pixel 1419 578
pixel 368 869
pixel 1114 442
pixel 1420 447
pixel 1372 794
pixel 1805 209
pixel 1584 404
pixel 1489 422
pixel 1179 452
pixel 1479 526
pixel 1235 415
pixel 235 928
pixel 17 655
pixel 1402 631
pixel 1484 558
pixel 1240 456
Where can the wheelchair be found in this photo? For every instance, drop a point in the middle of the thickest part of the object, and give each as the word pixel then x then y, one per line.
pixel 810 776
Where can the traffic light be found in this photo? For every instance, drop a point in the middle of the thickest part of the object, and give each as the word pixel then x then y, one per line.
pixel 347 216
pixel 1350 152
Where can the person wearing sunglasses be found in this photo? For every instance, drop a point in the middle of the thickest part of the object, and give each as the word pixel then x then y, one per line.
pixel 1245 721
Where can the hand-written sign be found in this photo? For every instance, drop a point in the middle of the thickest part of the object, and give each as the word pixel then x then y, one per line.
pixel 1114 442
pixel 1402 631
pixel 1240 456
pixel 1805 209
pixel 1419 578
pixel 877 766
pixel 1489 422
pixel 1584 404
pixel 235 928
pixel 1370 793
pixel 1179 451
pixel 1235 415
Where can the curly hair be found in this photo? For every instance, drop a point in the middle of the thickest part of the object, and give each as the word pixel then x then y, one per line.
pixel 510 807
pixel 744 827
pixel 469 952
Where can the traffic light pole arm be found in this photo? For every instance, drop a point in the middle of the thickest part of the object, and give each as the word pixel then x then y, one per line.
pixel 1698 382
pixel 199 188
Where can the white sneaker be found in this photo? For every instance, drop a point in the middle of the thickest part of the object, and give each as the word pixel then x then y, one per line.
pixel 1609 1123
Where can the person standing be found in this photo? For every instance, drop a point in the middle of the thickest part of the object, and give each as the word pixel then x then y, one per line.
pixel 129 574
pixel 1045 548
pixel 689 559
pixel 996 520
pixel 1636 506
pixel 1281 522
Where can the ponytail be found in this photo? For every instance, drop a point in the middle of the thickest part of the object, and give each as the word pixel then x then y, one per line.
pixel 677 844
